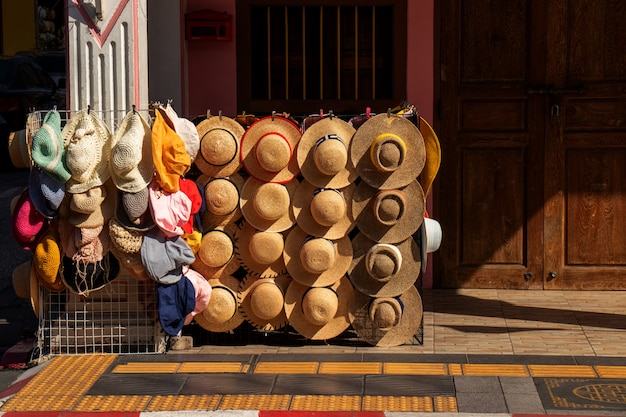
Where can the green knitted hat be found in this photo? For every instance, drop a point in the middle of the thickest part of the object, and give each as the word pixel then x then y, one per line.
pixel 47 150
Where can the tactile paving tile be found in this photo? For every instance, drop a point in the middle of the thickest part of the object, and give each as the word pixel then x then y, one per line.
pixel 146 368
pixel 210 367
pixel 408 385
pixel 113 403
pixel 611 371
pixel 360 368
pixel 482 369
pixel 445 405
pixel 254 402
pixel 325 403
pixel 415 369
pixel 318 385
pixel 580 371
pixel 397 403
pixel 183 402
pixel 286 368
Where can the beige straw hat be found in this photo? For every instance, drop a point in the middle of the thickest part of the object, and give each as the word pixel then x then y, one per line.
pixel 220 139
pixel 267 205
pixel 324 212
pixel 384 269
pixel 216 255
pixel 316 261
pixel 388 151
pixel 260 252
pixel 221 197
pixel 323 153
pixel 388 216
pixel 262 301
pixel 319 313
pixel 18 149
pixel 387 321
pixel 222 314
pixel 268 149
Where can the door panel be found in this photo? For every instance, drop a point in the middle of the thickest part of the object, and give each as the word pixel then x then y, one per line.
pixel 533 132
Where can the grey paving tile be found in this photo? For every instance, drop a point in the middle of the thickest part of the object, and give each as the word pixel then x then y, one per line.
pixel 318 385
pixel 409 385
pixel 228 384
pixel 523 403
pixel 517 385
pixel 477 384
pixel 138 384
pixel 480 402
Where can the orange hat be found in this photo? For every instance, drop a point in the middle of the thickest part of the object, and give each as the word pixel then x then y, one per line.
pixel 169 154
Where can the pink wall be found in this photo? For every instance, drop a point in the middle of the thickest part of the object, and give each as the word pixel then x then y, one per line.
pixel 210 78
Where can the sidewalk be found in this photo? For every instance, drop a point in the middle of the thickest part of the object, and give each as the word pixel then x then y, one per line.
pixel 494 352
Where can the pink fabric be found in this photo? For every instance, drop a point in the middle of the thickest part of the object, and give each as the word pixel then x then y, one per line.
pixel 28 225
pixel 170 211
pixel 203 293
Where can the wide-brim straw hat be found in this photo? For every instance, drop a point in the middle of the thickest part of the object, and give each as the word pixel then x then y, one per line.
pixel 262 301
pixel 323 153
pixel 316 261
pixel 324 212
pixel 388 151
pixel 433 156
pixel 388 216
pixel 268 149
pixel 387 321
pixel 216 255
pixel 220 142
pixel 384 269
pixel 18 149
pixel 221 197
pixel 131 154
pixel 87 141
pixel 25 284
pixel 222 313
pixel 267 205
pixel 431 236
pixel 260 252
pixel 319 313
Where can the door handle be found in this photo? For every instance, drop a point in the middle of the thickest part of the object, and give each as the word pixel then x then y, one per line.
pixel 552 91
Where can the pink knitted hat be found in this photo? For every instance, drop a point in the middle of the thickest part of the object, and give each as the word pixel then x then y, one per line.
pixel 28 225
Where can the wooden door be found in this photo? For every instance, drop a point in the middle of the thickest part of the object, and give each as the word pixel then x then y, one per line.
pixel 532 189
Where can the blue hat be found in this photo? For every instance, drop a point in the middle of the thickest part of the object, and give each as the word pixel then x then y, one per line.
pixel 163 257
pixel 175 302
pixel 46 192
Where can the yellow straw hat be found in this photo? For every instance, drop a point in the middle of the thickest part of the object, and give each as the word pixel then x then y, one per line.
pixel 216 255
pixel 221 196
pixel 220 139
pixel 262 301
pixel 267 205
pixel 222 313
pixel 260 252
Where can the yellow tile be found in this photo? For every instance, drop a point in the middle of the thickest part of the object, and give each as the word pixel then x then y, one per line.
pixel 183 402
pixel 286 368
pixel 147 368
pixel 445 405
pixel 254 402
pixel 562 371
pixel 455 369
pixel 387 403
pixel 486 369
pixel 325 403
pixel 415 369
pixel 113 403
pixel 611 371
pixel 209 367
pixel 360 368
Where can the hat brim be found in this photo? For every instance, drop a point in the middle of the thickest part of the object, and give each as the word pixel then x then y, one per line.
pixel 242 244
pixel 34 291
pixel 293 244
pixel 404 278
pixel 244 296
pixel 334 327
pixel 235 129
pixel 247 207
pixel 399 334
pixel 231 285
pixel 229 268
pixel 433 156
pixel 255 132
pixel 407 225
pixel 415 154
pixel 306 153
pixel 211 220
pixel 304 217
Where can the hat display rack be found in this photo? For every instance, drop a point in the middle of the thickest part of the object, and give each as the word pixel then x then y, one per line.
pixel 309 228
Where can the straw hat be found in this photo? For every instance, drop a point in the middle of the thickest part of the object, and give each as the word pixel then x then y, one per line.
pixel 431 235
pixel 324 212
pixel 21 279
pixel 47 260
pixel 221 196
pixel 388 216
pixel 319 313
pixel 323 153
pixel 262 301
pixel 46 192
pixel 387 321
pixel 222 313
pixel 131 154
pixel 433 156
pixel 384 269
pixel 220 138
pixel 18 149
pixel 91 208
pixel 388 151
pixel 169 154
pixel 267 205
pixel 185 129
pixel 47 150
pixel 125 243
pixel 260 252
pixel 316 261
pixel 87 141
pixel 268 149
pixel 216 255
